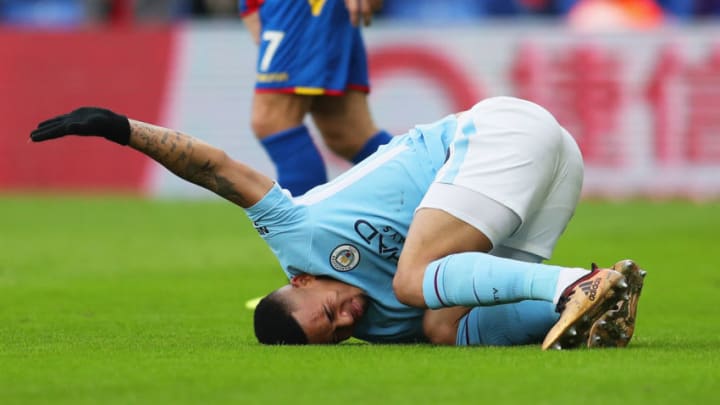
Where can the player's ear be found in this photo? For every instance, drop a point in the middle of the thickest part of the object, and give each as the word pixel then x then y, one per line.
pixel 302 280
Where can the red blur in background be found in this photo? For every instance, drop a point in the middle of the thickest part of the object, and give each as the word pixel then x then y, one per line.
pixel 122 69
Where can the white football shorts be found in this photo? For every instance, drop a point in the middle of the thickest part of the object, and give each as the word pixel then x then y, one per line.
pixel 513 173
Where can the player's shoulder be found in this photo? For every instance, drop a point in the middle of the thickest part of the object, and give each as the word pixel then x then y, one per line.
pixel 277 202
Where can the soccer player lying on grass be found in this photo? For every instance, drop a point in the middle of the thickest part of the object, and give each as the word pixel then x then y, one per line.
pixel 437 236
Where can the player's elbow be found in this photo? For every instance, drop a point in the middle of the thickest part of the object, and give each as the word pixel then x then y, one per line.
pixel 221 160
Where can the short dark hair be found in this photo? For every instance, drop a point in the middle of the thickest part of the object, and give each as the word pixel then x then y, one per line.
pixel 274 323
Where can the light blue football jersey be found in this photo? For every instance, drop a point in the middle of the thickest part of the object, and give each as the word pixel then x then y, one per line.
pixel 353 228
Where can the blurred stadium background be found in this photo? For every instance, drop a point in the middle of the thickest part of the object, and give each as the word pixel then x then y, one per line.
pixel 637 82
pixel 139 297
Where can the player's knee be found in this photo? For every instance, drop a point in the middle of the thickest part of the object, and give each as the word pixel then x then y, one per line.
pixel 407 286
pixel 257 127
pixel 439 333
pixel 270 117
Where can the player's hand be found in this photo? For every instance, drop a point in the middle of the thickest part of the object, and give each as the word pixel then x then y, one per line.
pixel 361 11
pixel 85 121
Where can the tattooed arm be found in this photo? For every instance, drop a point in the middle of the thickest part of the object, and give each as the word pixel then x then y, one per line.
pixel 187 157
pixel 200 163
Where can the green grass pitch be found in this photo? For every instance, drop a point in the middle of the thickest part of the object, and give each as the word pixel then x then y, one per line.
pixel 113 300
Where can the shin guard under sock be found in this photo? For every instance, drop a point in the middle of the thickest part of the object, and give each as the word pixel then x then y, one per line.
pixel 473 278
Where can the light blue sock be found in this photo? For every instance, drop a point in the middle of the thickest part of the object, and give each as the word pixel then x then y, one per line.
pixel 372 144
pixel 520 323
pixel 473 278
pixel 297 160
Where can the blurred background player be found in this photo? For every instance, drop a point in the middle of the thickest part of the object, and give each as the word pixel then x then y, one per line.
pixel 311 59
pixel 615 14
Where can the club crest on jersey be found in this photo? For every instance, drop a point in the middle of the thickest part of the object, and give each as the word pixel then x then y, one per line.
pixel 344 258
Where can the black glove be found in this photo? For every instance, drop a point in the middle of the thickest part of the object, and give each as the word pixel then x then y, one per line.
pixel 86 121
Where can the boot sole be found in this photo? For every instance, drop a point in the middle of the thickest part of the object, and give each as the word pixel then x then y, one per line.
pixel 616 327
pixel 572 330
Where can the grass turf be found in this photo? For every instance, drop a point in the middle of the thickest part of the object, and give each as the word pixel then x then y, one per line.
pixel 130 301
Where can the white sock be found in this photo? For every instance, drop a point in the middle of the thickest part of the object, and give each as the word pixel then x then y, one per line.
pixel 566 277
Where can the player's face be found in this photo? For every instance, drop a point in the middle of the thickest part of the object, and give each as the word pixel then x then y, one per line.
pixel 326 309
